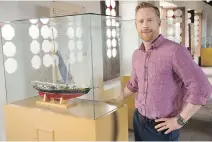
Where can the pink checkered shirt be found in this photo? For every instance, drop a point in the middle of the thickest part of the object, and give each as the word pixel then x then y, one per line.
pixel 165 78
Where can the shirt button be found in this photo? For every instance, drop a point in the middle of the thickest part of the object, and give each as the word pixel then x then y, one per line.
pixel 148 54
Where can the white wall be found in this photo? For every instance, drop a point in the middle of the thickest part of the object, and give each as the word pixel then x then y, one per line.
pixel 28 9
pixel 130 39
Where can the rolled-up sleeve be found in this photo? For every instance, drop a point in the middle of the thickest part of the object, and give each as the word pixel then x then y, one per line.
pixel 132 84
pixel 198 87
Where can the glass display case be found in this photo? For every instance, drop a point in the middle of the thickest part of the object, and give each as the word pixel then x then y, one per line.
pixel 63 60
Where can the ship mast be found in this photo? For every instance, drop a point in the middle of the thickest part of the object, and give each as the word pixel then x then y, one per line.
pixel 54 67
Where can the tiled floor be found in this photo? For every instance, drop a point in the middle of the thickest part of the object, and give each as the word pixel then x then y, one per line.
pixel 199 127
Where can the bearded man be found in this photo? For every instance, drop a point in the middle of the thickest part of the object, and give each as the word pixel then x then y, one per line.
pixel 170 87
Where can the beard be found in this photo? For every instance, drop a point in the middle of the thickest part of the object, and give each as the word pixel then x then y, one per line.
pixel 147 35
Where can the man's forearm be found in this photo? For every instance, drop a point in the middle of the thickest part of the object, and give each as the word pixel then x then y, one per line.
pixel 127 92
pixel 189 110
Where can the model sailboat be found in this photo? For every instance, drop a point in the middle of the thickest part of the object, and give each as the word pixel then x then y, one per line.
pixel 57 90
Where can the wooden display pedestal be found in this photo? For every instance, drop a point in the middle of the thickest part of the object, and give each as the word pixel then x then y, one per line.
pixel 27 121
pixel 130 102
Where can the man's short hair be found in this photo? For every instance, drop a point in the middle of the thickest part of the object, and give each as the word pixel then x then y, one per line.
pixel 147 5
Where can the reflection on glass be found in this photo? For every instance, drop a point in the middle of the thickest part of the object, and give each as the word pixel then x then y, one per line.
pixel 117 24
pixel 47 60
pixel 109 43
pixel 70 32
pixel 46 46
pixel 33 21
pixel 80 56
pixel 55 60
pixel 114 42
pixel 45 31
pixel 79 32
pixel 9 49
pixel 8 32
pixel 36 62
pixel 114 52
pixel 44 20
pixel 71 45
pixel 114 33
pixel 79 44
pixel 35 47
pixel 34 31
pixel 108 22
pixel 113 22
pixel 72 58
pixel 108 33
pixel 11 65
pixel 53 33
pixel 109 53
pixel 54 46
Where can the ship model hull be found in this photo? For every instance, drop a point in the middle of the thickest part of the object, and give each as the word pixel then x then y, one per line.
pixel 58 91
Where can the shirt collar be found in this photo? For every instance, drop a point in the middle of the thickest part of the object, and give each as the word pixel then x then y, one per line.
pixel 155 43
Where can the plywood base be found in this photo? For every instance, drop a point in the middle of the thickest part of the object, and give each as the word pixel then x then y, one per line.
pixel 77 123
pixel 206 57
pixel 130 101
pixel 55 104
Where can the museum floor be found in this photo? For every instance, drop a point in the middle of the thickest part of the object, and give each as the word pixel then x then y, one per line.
pixel 199 127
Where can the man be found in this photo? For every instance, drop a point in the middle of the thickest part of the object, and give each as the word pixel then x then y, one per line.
pixel 170 87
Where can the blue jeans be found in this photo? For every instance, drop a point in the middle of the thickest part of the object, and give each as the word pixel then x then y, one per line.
pixel 144 130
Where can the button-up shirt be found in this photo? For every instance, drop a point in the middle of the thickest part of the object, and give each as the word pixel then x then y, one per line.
pixel 165 78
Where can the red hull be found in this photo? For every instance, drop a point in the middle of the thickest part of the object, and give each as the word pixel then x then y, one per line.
pixel 58 96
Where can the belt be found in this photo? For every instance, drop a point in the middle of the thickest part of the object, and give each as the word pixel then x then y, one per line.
pixel 144 119
pixel 150 122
